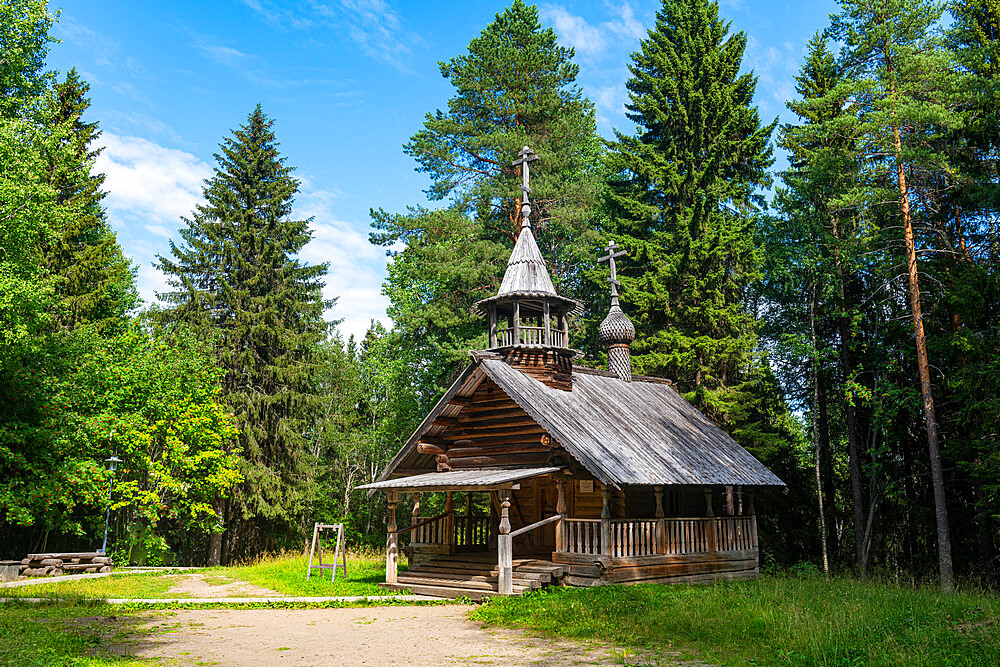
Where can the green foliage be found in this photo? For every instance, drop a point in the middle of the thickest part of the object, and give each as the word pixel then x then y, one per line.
pixel 24 43
pixel 684 201
pixel 802 620
pixel 238 281
pixel 150 400
pixel 514 87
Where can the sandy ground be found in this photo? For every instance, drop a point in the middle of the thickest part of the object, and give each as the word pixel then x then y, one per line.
pixel 359 636
pixel 217 586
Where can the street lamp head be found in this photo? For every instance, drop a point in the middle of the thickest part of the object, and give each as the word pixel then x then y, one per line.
pixel 113 463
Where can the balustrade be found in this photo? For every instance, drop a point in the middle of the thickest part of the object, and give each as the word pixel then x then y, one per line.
pixel 530 336
pixel 646 537
pixel 472 533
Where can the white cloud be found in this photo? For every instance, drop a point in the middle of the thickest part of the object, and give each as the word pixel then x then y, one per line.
pixel 374 26
pixel 150 187
pixel 588 39
pixel 148 180
pixel 574 30
pixel 626 25
pixel 611 98
pixel 357 268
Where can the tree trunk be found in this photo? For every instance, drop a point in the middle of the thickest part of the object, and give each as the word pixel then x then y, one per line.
pixel 214 556
pixel 826 464
pixel 815 430
pixel 853 461
pixel 923 366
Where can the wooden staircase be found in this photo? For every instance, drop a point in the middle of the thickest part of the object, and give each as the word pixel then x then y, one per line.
pixel 474 577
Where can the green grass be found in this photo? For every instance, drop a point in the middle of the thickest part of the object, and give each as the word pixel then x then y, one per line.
pixel 52 634
pixel 127 585
pixel 283 574
pixel 287 574
pixel 772 621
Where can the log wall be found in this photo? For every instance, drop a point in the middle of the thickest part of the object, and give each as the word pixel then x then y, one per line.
pixel 491 430
pixel 593 570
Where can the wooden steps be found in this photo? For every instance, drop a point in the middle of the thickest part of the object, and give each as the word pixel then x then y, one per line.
pixel 474 576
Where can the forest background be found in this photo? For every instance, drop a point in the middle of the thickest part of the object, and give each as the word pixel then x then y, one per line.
pixel 839 317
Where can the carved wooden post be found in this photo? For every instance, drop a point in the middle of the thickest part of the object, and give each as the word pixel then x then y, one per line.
pixel 661 527
pixel 710 513
pixel 418 534
pixel 517 323
pixel 493 325
pixel 505 570
pixel 448 538
pixel 392 544
pixel 606 521
pixel 560 509
pixel 548 326
pixel 468 519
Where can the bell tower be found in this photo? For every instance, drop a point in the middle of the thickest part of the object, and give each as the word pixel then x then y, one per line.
pixel 528 320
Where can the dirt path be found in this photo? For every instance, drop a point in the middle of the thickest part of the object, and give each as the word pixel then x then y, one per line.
pixel 358 636
pixel 216 586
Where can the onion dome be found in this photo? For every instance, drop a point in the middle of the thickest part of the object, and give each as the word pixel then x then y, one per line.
pixel 616 329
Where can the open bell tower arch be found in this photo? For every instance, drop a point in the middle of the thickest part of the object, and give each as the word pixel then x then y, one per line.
pixel 528 319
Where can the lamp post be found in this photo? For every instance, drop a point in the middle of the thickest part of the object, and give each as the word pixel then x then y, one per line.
pixel 112 466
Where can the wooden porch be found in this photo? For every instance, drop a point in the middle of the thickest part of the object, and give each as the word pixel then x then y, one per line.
pixel 477 553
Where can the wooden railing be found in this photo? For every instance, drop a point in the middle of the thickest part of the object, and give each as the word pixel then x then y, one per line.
pixel 530 336
pixel 433 530
pixel 687 536
pixel 423 527
pixel 645 537
pixel 634 538
pixel 738 533
pixel 505 550
pixel 582 536
pixel 472 533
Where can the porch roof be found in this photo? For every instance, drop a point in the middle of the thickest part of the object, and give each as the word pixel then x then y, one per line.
pixel 457 480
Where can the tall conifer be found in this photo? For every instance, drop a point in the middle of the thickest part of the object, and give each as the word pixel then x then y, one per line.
pixel 684 197
pixel 514 86
pixel 237 277
pixel 94 281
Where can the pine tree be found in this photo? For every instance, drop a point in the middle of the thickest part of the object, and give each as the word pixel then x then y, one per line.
pixel 902 87
pixel 94 281
pixel 515 86
pixel 237 278
pixel 684 200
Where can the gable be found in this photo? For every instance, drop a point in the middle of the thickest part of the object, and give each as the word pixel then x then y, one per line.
pixel 478 426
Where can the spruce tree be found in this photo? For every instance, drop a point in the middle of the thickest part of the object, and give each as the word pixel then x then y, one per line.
pixel 684 199
pixel 237 278
pixel 94 281
pixel 810 253
pixel 515 86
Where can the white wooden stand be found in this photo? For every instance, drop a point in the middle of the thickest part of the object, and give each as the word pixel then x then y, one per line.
pixel 339 551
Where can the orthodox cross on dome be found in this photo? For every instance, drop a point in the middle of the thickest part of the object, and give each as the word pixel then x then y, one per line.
pixel 525 158
pixel 610 259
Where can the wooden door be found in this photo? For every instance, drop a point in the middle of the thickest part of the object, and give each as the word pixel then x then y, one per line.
pixel 546 497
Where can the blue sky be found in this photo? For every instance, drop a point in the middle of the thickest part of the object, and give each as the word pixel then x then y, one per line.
pixel 347 82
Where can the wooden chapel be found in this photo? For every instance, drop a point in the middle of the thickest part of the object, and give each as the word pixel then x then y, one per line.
pixel 593 477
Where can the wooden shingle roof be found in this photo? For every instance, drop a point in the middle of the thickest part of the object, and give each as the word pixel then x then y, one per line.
pixel 641 432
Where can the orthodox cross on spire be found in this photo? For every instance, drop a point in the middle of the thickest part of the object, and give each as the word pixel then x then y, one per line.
pixel 525 157
pixel 610 259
